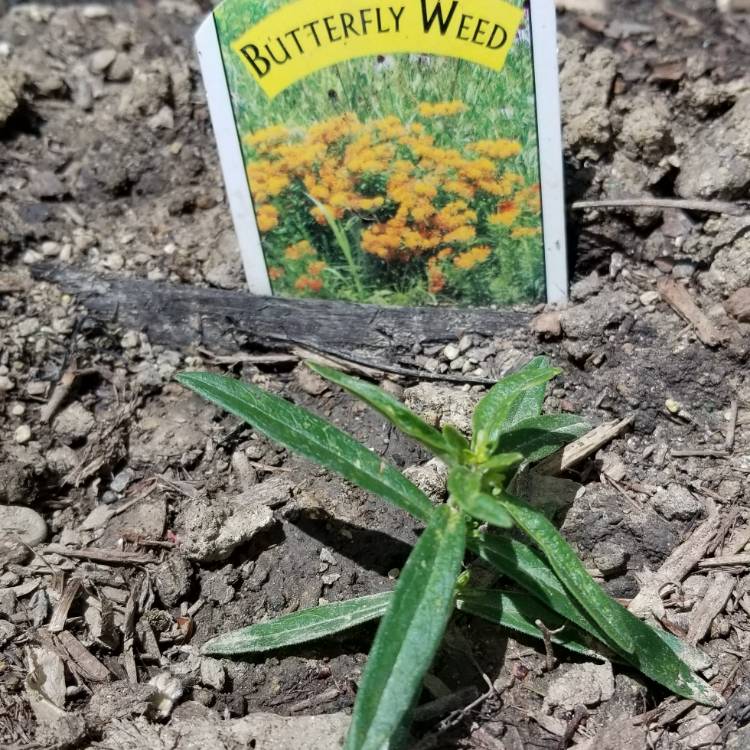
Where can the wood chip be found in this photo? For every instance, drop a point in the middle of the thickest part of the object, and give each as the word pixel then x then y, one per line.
pixel 584 447
pixel 105 556
pixel 719 590
pixel 88 665
pixel 724 560
pixel 584 6
pixel 60 615
pixel 680 300
pixel 676 567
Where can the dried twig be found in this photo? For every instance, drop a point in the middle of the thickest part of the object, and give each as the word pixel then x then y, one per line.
pixel 698 453
pixel 373 369
pixel 710 606
pixel 105 556
pixel 88 665
pixel 674 569
pixel 62 389
pixel 732 426
pixel 725 561
pixel 547 638
pixel 582 448
pixel 60 615
pixel 680 300
pixel 684 204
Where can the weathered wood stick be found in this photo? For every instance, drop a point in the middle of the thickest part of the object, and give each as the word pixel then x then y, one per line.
pixel 223 320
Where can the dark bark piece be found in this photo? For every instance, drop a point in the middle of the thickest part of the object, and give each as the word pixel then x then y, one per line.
pixel 223 321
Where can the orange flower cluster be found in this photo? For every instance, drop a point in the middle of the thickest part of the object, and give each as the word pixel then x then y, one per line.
pixel 268 217
pixel 478 254
pixel 413 198
pixel 435 277
pixel 302 257
pixel 441 109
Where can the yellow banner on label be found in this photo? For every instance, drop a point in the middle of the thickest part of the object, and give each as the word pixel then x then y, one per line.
pixel 308 35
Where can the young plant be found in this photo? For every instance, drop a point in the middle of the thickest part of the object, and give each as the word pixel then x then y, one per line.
pixel 509 433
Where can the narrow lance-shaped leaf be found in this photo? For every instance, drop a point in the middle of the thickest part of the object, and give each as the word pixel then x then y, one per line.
pixel 464 486
pixel 533 573
pixel 530 400
pixel 635 639
pixel 498 409
pixel 300 627
pixel 410 632
pixel 392 409
pixel 569 569
pixel 520 612
pixel 539 437
pixel 307 434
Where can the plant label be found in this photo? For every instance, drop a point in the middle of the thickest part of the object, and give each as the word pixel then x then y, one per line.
pixel 396 152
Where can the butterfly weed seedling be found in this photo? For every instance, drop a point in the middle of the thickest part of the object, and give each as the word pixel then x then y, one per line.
pixel 549 584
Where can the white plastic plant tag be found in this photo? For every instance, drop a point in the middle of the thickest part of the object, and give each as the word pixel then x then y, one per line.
pixel 403 152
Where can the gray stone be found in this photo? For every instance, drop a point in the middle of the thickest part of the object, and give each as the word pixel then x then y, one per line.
pixel 715 161
pixel 610 558
pixel 213 529
pixel 121 69
pixel 74 423
pixel 119 700
pixel 440 405
pixel 10 88
pixel 738 305
pixel 739 740
pixel 46 184
pixel 212 673
pixel 101 60
pixel 586 287
pixel 146 94
pixel 309 381
pixel 430 477
pixel 646 130
pixel 223 266
pixel 585 109
pixel 172 579
pixel 676 503
pixel 451 352
pixel 590 319
pixel 587 684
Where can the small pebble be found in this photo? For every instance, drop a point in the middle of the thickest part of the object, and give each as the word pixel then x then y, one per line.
pixel 50 249
pixel 451 352
pixel 30 257
pixel 6 384
pixel 18 410
pixel 129 340
pixel 23 434
pixel 24 523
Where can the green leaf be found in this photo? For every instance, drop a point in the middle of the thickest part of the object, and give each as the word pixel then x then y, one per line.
pixel 307 434
pixel 569 569
pixel 530 401
pixel 410 632
pixel 531 571
pixel 392 409
pixel 519 612
pixel 456 442
pixel 465 487
pixel 538 437
pixel 638 642
pixel 299 627
pixel 505 402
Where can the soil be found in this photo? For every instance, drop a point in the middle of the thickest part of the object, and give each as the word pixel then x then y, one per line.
pixel 108 165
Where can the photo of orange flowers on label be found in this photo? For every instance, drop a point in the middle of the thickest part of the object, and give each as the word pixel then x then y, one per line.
pixel 390 148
